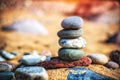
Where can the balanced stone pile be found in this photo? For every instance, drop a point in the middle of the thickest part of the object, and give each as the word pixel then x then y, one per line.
pixel 71 40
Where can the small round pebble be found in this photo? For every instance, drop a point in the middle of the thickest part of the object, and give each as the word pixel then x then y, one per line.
pixel 112 64
pixel 72 43
pixel 115 56
pixel 73 22
pixel 98 58
pixel 70 54
pixel 70 33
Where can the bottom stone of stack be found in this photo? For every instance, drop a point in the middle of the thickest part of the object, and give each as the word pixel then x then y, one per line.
pixel 70 54
pixel 56 62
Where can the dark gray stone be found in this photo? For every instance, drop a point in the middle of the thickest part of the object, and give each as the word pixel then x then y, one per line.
pixel 31 73
pixel 70 33
pixel 73 22
pixel 70 54
pixel 85 74
pixel 7 76
pixel 112 64
pixel 14 53
pixel 115 56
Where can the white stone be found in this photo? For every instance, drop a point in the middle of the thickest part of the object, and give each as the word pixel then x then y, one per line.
pixel 72 43
pixel 32 59
pixel 98 58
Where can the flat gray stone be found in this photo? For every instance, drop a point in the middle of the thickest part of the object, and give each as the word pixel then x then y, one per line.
pixel 70 33
pixel 31 73
pixel 98 58
pixel 72 43
pixel 7 55
pixel 73 22
pixel 32 59
pixel 70 54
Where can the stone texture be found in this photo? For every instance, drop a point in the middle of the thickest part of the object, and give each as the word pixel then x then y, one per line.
pixel 115 56
pixel 5 66
pixel 69 34
pixel 7 76
pixel 98 58
pixel 70 54
pixel 72 43
pixel 73 22
pixel 6 55
pixel 56 62
pixel 31 73
pixel 85 74
pixel 112 64
pixel 32 59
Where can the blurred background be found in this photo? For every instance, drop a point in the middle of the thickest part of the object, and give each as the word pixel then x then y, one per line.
pixel 27 25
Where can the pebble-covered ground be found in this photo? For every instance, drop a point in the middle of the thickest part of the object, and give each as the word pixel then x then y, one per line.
pixel 94 34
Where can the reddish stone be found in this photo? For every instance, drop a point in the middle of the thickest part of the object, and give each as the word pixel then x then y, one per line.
pixel 56 62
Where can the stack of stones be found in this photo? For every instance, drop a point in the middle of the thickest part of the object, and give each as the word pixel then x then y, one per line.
pixel 71 40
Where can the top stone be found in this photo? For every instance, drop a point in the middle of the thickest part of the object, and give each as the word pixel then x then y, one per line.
pixel 73 22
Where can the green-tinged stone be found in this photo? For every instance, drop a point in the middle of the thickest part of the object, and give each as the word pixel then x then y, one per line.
pixel 6 76
pixel 70 54
pixel 70 33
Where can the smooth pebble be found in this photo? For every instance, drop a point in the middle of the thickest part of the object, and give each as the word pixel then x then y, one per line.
pixel 73 22
pixel 70 54
pixel 70 34
pixel 112 64
pixel 32 59
pixel 7 55
pixel 98 58
pixel 72 43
